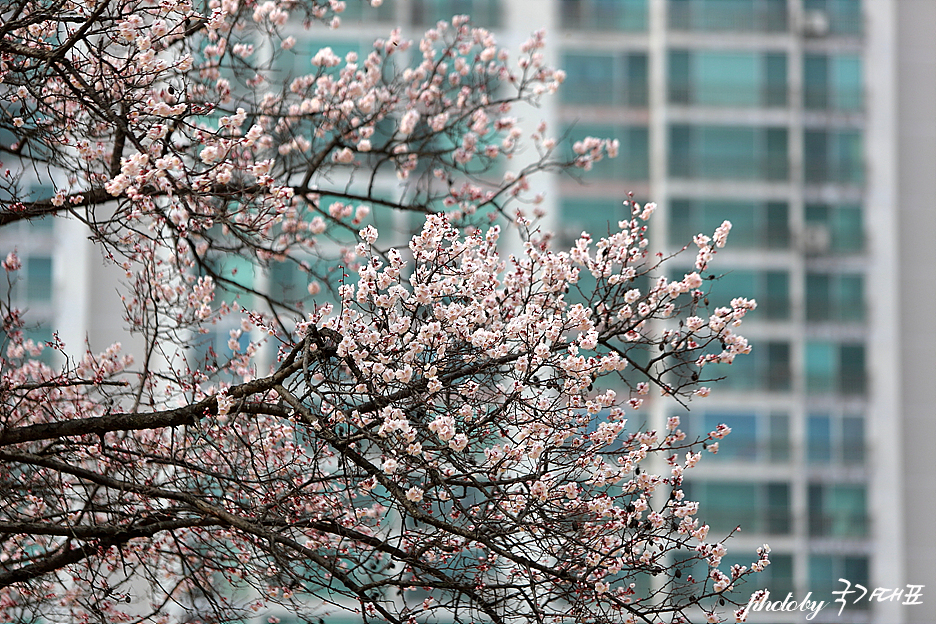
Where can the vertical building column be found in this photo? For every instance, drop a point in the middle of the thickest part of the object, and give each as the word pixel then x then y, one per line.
pixel 521 19
pixel 72 283
pixel 886 362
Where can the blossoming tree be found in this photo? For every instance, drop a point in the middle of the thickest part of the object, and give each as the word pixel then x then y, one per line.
pixel 431 431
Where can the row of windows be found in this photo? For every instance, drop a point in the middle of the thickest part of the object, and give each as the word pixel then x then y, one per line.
pixel 835 367
pixel 830 367
pixel 755 225
pixel 741 153
pixel 765 225
pixel 838 510
pixel 823 574
pixel 728 153
pixel 832 297
pixel 837 17
pixel 833 510
pixel 425 13
pixel 831 438
pixel 713 78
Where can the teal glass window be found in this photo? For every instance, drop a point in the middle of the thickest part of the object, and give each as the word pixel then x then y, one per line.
pixel 852 369
pixel 755 436
pixel 728 153
pixel 778 439
pixel 852 439
pixel 633 159
pixel 821 367
pixel 833 368
pixel 843 224
pixel 753 224
pixel 598 217
pixel 484 13
pixel 819 439
pixel 842 16
pixel 834 297
pixel 833 156
pixel 771 289
pixel 39 279
pixel 777 578
pixel 837 510
pixel 297 61
pixel 755 507
pixel 826 570
pixel 236 275
pixel 728 15
pixel 616 15
pixel 595 78
pixel 288 282
pixel 765 368
pixel 832 82
pixel 727 78
pixel 835 438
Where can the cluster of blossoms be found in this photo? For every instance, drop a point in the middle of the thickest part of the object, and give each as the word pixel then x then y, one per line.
pixel 457 419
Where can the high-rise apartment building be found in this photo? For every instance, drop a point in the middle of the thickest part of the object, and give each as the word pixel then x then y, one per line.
pixel 811 126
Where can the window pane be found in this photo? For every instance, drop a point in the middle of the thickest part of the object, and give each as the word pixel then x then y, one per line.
pixel 852 366
pixel 815 81
pixel 775 295
pixel 848 229
pixel 844 16
pixel 632 162
pixel 680 82
pixel 816 156
pixel 779 441
pixel 848 164
pixel 853 444
pixel 288 282
pixel 758 507
pixel 622 15
pixel 753 224
pixel 818 439
pixel 846 511
pixel 778 366
pixel 851 298
pixel 728 15
pixel 776 233
pixel 775 69
pixel 39 279
pixel 778 508
pixel 727 78
pixel 847 80
pixel 776 164
pixel 590 78
pixel 483 13
pixel 596 216
pixel 818 300
pixel 726 153
pixel 637 84
pixel 681 151
pixel 821 367
pixel 743 437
